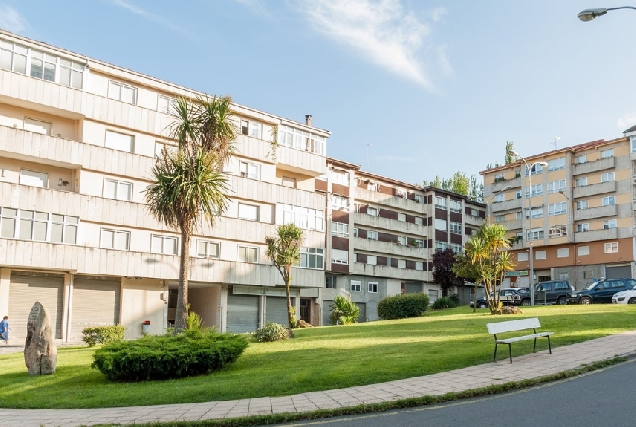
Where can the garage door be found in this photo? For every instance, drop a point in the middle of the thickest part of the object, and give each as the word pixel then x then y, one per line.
pixel 326 312
pixel 413 288
pixel 362 317
pixel 242 313
pixel 24 291
pixel 618 272
pixel 276 310
pixel 95 303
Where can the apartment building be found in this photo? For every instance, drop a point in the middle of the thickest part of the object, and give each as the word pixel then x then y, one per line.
pixel 78 139
pixel 577 211
pixel 384 233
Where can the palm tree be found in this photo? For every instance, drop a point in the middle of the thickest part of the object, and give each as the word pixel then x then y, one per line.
pixel 284 251
pixel 189 186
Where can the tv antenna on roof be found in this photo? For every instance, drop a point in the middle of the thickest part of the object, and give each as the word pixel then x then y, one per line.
pixel 556 139
pixel 368 146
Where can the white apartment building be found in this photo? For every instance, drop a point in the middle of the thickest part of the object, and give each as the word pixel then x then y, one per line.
pixel 78 138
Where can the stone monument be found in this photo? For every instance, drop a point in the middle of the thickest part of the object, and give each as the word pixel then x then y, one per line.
pixel 40 352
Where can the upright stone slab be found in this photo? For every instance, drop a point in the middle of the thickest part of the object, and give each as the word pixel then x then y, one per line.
pixel 40 352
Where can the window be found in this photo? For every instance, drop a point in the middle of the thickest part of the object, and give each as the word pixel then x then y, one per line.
pixel 401 217
pixel 339 229
pixel 457 248
pixel 535 213
pixel 535 234
pixel 401 263
pixel 499 177
pixel 607 153
pixel 355 232
pixel 372 260
pixel 500 218
pixel 120 190
pixel 537 168
pixel 556 164
pixel 248 254
pixel 166 104
pixel 40 226
pixel 518 194
pixel 373 211
pixel 33 225
pixel 522 256
pixel 71 73
pixel 253 129
pixel 339 257
pixel 609 176
pixel 340 203
pixel 581 182
pixel 166 245
pixel 339 177
pixel 440 224
pixel 632 141
pixel 611 248
pixel 540 255
pixel 355 286
pixel 580 228
pixel 330 282
pixel 402 240
pixel 372 186
pixel 583 250
pixel 609 200
pixel 456 227
pixel 249 212
pixel 563 252
pixel 519 215
pixel 419 198
pixel 122 92
pixel 557 231
pixel 557 208
pixel 440 246
pixel 120 141
pixel 208 249
pixel 301 140
pixel 372 235
pixel 456 206
pixel 610 223
pixel 581 204
pixel 440 202
pixel 373 287
pixel 500 197
pixel 556 186
pixel 419 265
pixel 250 170
pixel 580 160
pixel 418 220
pixel 537 190
pixel 400 193
pixel 37 126
pixel 64 229
pixel 115 239
pixel 34 179
pixel 160 146
pixel 474 212
pixel 312 258
pixel 306 218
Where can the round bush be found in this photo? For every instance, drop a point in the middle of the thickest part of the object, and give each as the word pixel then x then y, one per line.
pixel 444 302
pixel 271 332
pixel 402 306
pixel 164 357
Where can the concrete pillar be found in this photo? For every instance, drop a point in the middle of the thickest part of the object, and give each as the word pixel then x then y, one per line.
pixel 5 281
pixel 67 306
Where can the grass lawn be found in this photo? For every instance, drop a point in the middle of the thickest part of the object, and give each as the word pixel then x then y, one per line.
pixel 317 359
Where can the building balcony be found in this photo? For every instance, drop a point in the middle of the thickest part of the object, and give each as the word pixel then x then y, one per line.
pixel 106 262
pixel 299 161
pixel 515 224
pixel 591 190
pixel 254 149
pixel 389 272
pixel 383 200
pixel 505 184
pixel 599 212
pixel 506 205
pixel 389 248
pixel 597 165
pixel 596 235
pixel 473 220
pixel 266 192
pixel 377 222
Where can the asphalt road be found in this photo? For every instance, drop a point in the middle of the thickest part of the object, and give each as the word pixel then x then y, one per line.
pixel 602 398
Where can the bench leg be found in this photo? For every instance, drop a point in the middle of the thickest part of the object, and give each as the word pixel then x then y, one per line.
pixel 549 345
pixel 510 352
pixel 534 349
pixel 494 357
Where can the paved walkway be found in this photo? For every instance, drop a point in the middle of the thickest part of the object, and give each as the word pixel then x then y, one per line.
pixel 524 367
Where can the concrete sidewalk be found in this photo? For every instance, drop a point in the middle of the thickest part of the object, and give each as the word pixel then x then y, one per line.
pixel 524 367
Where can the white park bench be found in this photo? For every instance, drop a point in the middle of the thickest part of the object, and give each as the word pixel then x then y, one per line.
pixel 517 325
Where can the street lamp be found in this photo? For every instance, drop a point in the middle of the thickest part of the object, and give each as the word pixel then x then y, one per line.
pixel 589 14
pixel 529 169
pixel 573 231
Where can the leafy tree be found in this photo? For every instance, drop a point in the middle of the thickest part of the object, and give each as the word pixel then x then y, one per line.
pixel 343 311
pixel 188 186
pixel 487 251
pixel 509 158
pixel 461 184
pixel 443 274
pixel 476 193
pixel 468 271
pixel 284 251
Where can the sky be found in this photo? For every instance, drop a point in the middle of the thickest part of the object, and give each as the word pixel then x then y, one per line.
pixel 409 89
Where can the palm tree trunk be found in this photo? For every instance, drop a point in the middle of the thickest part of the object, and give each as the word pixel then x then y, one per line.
pixel 181 315
pixel 287 279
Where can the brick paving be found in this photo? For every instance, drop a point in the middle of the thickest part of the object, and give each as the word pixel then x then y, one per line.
pixel 523 367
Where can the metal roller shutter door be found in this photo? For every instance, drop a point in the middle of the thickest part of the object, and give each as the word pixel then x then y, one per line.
pixel 276 310
pixel 362 316
pixel 24 291
pixel 95 303
pixel 242 313
pixel 618 272
pixel 326 312
pixel 413 288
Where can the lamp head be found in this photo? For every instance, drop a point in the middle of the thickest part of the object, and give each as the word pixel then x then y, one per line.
pixel 542 163
pixel 589 14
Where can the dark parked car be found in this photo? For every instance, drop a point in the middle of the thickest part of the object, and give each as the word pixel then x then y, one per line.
pixel 601 291
pixel 508 296
pixel 552 292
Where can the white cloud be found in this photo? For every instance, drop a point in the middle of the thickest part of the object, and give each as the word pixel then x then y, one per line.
pixel 380 29
pixel 11 20
pixel 437 14
pixel 626 121
pixel 150 16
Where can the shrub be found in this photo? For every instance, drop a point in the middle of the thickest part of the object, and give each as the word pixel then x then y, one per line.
pixel 271 332
pixel 402 306
pixel 102 334
pixel 164 357
pixel 455 299
pixel 444 302
pixel 343 311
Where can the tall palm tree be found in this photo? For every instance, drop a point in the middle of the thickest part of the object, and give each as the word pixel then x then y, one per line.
pixel 189 186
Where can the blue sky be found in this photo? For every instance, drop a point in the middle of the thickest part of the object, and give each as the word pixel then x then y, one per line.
pixel 434 87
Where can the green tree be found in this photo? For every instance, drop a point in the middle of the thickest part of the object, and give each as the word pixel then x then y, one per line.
pixel 469 272
pixel 509 158
pixel 476 192
pixel 443 273
pixel 284 251
pixel 459 183
pixel 189 187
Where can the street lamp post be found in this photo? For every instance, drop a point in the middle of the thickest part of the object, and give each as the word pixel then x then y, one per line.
pixel 589 14
pixel 531 238
pixel 573 231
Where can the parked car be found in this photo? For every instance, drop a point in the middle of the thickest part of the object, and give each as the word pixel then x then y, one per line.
pixel 508 296
pixel 625 297
pixel 552 292
pixel 601 291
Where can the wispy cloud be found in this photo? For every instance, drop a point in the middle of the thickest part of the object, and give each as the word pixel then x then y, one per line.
pixel 626 121
pixel 11 20
pixel 157 19
pixel 381 30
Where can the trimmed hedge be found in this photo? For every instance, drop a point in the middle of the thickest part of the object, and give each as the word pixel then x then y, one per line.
pixel 271 332
pixel 165 357
pixel 445 302
pixel 102 334
pixel 402 306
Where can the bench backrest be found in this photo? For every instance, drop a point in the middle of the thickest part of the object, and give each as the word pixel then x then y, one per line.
pixel 513 325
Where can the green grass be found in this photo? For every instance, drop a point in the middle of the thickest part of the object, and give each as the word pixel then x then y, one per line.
pixel 317 359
